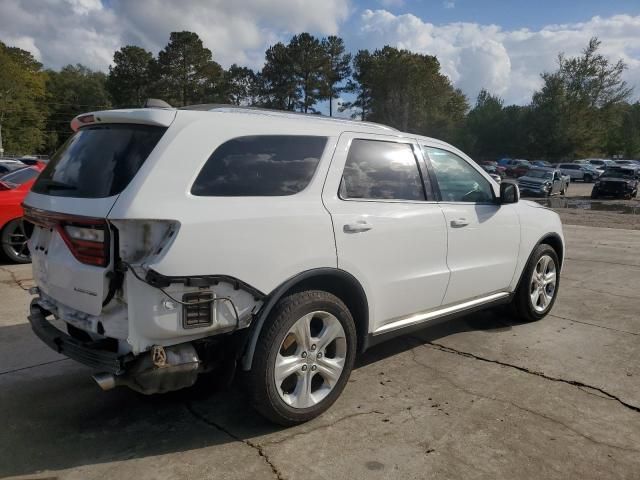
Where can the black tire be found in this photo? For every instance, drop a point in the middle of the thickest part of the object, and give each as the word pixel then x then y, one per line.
pixel 521 304
pixel 594 195
pixel 9 238
pixel 588 179
pixel 261 384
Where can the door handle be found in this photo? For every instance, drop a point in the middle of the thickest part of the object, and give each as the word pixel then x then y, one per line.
pixel 460 222
pixel 357 227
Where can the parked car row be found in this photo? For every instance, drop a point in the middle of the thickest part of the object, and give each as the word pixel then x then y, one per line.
pixel 587 170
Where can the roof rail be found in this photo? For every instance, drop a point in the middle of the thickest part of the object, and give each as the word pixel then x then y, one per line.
pixel 221 107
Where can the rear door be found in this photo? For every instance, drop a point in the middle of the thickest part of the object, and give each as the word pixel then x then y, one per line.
pixel 483 236
pixel 71 244
pixel 389 232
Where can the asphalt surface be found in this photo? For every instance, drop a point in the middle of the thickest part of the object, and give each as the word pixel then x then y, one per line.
pixel 479 397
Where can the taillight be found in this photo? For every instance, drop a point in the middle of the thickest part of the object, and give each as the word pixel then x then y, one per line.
pixel 87 242
pixel 87 238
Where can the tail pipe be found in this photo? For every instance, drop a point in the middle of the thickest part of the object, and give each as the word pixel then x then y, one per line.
pixel 163 369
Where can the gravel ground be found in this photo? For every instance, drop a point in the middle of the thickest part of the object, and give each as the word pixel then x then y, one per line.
pixel 577 208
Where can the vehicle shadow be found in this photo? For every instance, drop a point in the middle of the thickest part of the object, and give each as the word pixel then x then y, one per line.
pixel 56 418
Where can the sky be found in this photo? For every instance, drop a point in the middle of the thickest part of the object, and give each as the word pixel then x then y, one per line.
pixel 500 45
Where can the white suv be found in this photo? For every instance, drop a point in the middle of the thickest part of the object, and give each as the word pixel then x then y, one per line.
pixel 173 242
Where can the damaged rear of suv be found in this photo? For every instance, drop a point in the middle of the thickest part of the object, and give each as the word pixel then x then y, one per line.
pixel 167 243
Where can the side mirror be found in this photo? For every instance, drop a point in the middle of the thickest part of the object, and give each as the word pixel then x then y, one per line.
pixel 509 193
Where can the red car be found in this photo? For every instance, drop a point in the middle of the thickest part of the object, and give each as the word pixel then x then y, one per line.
pixel 500 170
pixel 14 187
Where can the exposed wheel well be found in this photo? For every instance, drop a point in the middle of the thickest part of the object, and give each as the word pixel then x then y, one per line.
pixel 337 282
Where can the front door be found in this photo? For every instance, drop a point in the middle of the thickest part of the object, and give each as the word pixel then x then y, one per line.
pixel 389 232
pixel 484 237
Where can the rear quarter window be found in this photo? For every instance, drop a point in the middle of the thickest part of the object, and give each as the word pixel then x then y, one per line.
pixel 260 165
pixel 98 161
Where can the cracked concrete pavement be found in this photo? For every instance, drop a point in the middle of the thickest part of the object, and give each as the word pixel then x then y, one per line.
pixel 478 397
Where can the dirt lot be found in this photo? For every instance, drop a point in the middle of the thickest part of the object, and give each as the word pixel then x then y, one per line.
pixel 482 397
pixel 578 209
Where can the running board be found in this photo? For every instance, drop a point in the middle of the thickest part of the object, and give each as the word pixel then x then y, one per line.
pixel 417 321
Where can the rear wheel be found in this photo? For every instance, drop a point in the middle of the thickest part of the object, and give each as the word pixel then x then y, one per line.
pixel 588 178
pixel 14 242
pixel 303 358
pixel 539 284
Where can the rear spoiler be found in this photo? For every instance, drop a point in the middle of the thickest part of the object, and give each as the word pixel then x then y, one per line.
pixel 161 117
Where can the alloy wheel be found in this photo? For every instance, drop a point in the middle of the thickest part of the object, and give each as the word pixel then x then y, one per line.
pixel 543 283
pixel 310 360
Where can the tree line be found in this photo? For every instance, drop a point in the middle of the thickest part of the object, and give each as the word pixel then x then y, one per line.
pixel 582 109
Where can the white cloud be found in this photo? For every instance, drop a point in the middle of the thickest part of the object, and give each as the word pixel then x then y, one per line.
pixel 449 4
pixel 89 31
pixel 506 62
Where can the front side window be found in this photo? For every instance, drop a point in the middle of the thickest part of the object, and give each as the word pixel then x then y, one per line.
pixel 260 165
pixel 380 170
pixel 458 181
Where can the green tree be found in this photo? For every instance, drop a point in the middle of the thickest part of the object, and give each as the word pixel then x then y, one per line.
pixel 592 79
pixel 577 111
pixel 241 85
pixel 408 92
pixel 22 89
pixel 307 58
pixel 279 84
pixel 129 76
pixel 359 86
pixel 186 71
pixel 336 68
pixel 484 126
pixel 75 89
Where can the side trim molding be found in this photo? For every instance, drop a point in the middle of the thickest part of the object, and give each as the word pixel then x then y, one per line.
pixel 418 321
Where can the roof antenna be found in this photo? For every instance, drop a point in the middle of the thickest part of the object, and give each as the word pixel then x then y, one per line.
pixel 155 103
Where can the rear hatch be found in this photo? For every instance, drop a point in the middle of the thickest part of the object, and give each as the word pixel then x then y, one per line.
pixel 72 244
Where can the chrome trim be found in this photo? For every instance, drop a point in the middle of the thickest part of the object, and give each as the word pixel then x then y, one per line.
pixel 433 314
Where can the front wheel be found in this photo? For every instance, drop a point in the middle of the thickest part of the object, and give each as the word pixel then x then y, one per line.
pixel 14 242
pixel 539 285
pixel 303 358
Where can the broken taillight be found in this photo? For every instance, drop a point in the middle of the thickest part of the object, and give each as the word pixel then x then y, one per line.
pixel 87 238
pixel 87 242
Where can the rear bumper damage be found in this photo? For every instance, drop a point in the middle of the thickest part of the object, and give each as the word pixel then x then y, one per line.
pixel 162 369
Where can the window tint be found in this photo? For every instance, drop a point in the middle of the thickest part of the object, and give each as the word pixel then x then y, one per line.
pixel 98 161
pixel 458 181
pixel 261 165
pixel 381 170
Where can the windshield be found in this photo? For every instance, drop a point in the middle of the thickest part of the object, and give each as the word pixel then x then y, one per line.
pixel 539 174
pixel 19 177
pixel 98 161
pixel 619 173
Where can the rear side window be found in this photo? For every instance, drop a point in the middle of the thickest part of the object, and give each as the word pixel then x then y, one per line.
pixel 260 165
pixel 381 171
pixel 98 161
